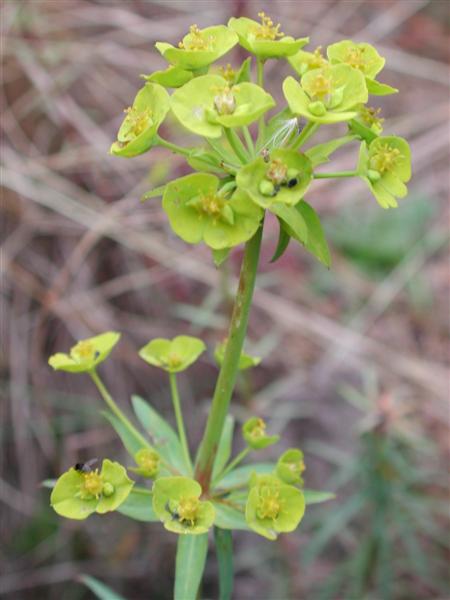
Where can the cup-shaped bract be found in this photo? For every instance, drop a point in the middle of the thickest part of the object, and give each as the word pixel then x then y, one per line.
pixel 148 463
pixel 208 103
pixel 265 39
pixel 326 95
pixel 200 47
pixel 246 361
pixel 176 502
pixel 290 466
pixel 385 165
pixel 138 130
pixel 364 58
pixel 303 61
pixel 273 507
pixel 174 355
pixel 198 211
pixel 254 433
pixel 86 354
pixel 283 177
pixel 78 494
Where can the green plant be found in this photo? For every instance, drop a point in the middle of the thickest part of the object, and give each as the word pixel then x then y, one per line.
pixel 393 509
pixel 243 166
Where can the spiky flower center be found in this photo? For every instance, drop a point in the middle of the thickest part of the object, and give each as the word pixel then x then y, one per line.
pixel 277 171
pixel 211 205
pixel 384 158
pixel 188 510
pixel 197 40
pixel 269 503
pixel 225 101
pixel 148 460
pixel 267 30
pixel 258 430
pixel 355 57
pixel 320 86
pixel 316 60
pixel 83 351
pixel 91 485
pixel 296 466
pixel 137 121
pixel 228 73
pixel 371 116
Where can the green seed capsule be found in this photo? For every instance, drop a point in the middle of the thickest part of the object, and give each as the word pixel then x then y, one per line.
pixel 373 175
pixel 108 489
pixel 266 188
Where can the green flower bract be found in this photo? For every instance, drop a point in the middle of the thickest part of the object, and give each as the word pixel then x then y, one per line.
pixel 176 503
pixel 197 105
pixel 138 129
pixel 250 177
pixel 198 212
pixel 249 38
pixel 385 165
pixel 326 95
pixel 172 355
pixel 77 495
pixel 254 433
pixel 273 507
pixel 86 354
pixel 201 47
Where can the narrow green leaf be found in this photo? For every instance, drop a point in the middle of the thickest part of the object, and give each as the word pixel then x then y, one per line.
pixel 241 475
pixel 228 517
pixel 320 153
pixel 131 443
pixel 220 256
pixel 316 242
pixel 293 219
pixel 154 193
pixel 101 591
pixel 316 496
pixel 283 242
pixel 224 448
pixel 138 506
pixel 224 549
pixel 164 438
pixel 244 73
pixel 190 563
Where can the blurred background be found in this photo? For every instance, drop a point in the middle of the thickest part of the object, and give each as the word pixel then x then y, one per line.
pixel 355 360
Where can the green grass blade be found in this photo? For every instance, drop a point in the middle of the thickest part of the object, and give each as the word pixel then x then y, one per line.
pixel 101 591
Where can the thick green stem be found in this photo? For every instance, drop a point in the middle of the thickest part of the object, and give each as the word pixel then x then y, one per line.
pixel 227 375
pixel 116 410
pixel 236 144
pixel 174 147
pixel 307 132
pixel 333 175
pixel 179 419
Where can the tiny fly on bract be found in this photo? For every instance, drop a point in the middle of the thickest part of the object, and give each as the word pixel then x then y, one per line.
pixel 173 513
pixel 85 467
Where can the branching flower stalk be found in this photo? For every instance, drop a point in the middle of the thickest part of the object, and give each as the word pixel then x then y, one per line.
pixel 244 165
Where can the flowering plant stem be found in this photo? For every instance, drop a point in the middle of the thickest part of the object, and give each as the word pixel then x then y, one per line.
pixel 227 375
pixel 115 409
pixel 307 132
pixel 239 458
pixel 333 175
pixel 179 420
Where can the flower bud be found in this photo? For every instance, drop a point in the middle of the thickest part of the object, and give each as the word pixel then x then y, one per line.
pixel 317 108
pixel 373 175
pixel 225 102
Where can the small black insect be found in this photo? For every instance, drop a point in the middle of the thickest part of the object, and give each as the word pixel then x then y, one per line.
pixel 85 467
pixel 292 182
pixel 96 355
pixel 276 189
pixel 173 513
pixel 265 154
